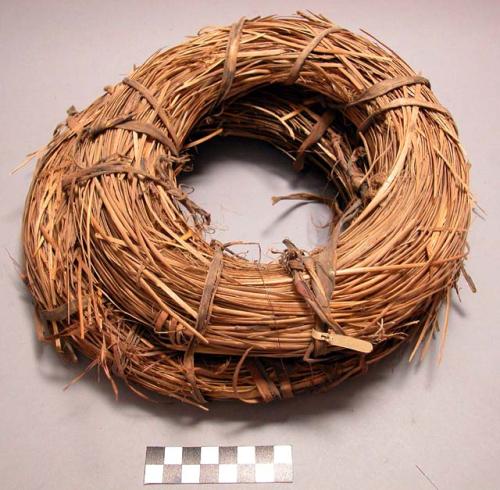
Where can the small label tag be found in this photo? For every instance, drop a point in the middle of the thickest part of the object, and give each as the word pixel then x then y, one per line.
pixel 218 464
pixel 344 341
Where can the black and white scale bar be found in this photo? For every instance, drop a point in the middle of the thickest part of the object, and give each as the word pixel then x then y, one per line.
pixel 218 464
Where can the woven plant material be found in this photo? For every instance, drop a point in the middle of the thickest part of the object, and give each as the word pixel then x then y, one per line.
pixel 116 255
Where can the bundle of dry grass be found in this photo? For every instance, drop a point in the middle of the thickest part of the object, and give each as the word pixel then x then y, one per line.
pixel 116 256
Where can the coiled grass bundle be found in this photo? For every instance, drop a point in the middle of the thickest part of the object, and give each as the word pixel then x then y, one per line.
pixel 116 256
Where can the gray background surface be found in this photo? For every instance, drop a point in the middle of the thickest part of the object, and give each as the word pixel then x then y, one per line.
pixel 372 432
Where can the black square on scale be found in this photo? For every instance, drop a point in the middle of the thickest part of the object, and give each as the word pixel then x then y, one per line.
pixel 264 454
pixel 155 455
pixel 191 455
pixel 228 455
pixel 172 473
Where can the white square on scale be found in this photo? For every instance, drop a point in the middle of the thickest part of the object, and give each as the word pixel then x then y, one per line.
pixel 173 455
pixel 190 473
pixel 283 454
pixel 264 472
pixel 153 473
pixel 228 473
pixel 209 455
pixel 246 455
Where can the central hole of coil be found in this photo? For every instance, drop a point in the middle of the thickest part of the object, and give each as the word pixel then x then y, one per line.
pixel 259 140
pixel 234 179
